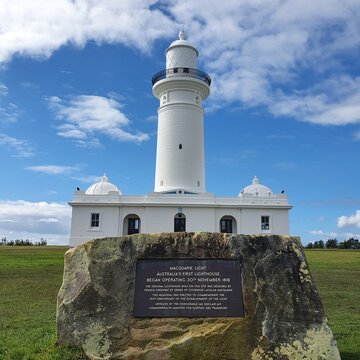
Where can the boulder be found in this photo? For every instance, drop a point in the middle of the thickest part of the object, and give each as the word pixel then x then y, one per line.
pixel 284 317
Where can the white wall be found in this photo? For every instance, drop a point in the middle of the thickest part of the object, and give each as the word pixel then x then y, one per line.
pixel 251 221
pixel 155 219
pixel 81 220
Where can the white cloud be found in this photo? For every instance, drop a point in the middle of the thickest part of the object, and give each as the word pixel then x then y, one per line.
pixel 332 102
pixel 152 118
pixel 49 220
pixel 3 89
pixel 88 179
pixel 72 172
pixel 19 148
pixel 53 169
pixel 9 111
pixel 30 85
pixel 256 51
pixel 324 235
pixel 86 115
pixel 33 220
pixel 38 28
pixel 352 220
pixel 342 221
pixel 316 232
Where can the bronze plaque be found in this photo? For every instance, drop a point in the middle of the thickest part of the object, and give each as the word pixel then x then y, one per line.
pixel 188 288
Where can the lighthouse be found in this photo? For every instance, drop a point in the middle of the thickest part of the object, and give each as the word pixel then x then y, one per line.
pixel 180 88
pixel 179 201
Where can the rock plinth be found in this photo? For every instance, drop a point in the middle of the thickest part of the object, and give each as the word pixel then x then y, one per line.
pixel 284 315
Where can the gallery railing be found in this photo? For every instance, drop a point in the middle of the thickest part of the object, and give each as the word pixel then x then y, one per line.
pixel 178 72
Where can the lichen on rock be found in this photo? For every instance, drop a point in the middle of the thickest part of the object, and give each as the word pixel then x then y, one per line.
pixel 317 345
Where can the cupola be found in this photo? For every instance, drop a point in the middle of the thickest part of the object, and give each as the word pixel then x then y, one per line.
pixel 102 187
pixel 256 189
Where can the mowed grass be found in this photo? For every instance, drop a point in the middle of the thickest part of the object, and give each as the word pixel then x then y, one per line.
pixel 30 278
pixel 337 276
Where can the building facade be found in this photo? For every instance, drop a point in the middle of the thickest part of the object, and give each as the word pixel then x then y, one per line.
pixel 179 201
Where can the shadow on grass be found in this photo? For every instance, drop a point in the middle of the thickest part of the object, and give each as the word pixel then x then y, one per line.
pixel 350 355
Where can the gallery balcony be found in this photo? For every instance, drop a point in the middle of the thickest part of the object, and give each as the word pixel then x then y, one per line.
pixel 181 72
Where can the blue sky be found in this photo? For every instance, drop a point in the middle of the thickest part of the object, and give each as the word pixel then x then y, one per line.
pixel 76 102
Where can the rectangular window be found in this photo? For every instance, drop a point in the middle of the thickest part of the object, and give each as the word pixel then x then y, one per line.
pixel 179 224
pixel 95 220
pixel 226 226
pixel 265 223
pixel 133 226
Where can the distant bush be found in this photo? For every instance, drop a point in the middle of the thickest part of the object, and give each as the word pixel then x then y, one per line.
pixel 331 244
pixel 351 244
pixel 22 242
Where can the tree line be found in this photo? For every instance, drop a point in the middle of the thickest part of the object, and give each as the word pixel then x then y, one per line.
pixel 22 242
pixel 351 244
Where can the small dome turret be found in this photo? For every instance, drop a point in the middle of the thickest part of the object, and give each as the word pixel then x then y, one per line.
pixel 256 189
pixel 102 187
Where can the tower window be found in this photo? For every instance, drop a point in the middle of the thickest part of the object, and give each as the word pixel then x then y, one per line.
pixel 265 223
pixel 180 146
pixel 198 183
pixel 95 220
pixel 161 183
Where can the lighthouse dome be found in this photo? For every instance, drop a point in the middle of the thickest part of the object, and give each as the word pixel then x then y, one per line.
pixel 256 189
pixel 102 187
pixel 181 54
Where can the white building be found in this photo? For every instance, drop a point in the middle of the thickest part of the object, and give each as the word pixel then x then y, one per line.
pixel 179 201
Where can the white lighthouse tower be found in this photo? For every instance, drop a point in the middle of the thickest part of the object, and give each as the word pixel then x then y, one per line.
pixel 179 201
pixel 180 139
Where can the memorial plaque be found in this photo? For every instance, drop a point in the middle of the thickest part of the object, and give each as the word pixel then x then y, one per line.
pixel 188 288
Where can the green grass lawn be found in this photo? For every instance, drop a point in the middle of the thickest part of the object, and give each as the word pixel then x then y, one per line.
pixel 30 278
pixel 337 276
